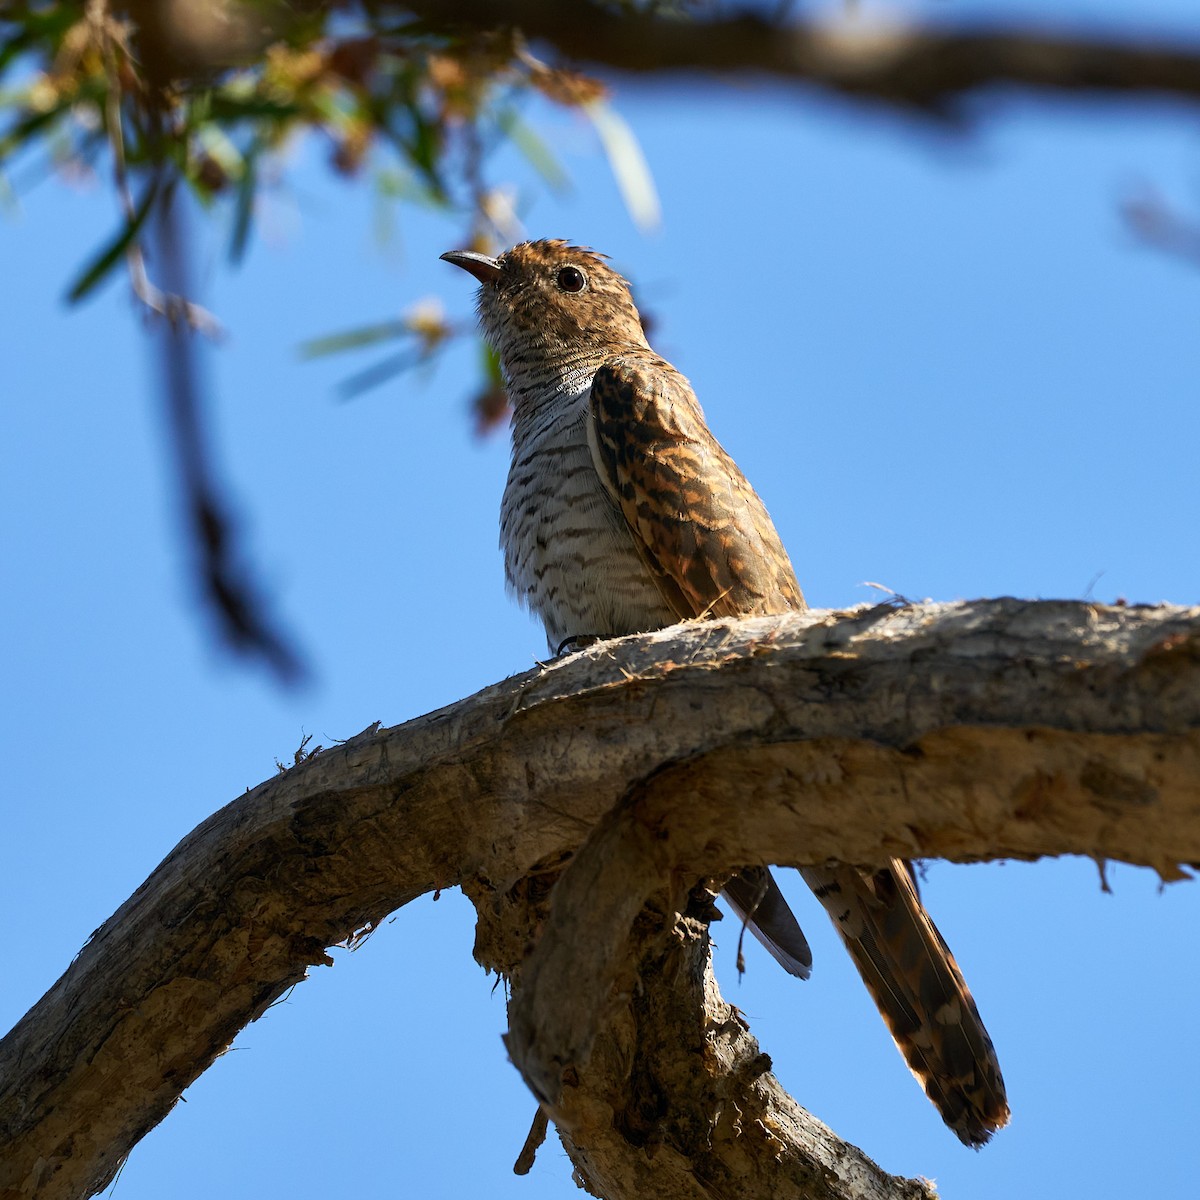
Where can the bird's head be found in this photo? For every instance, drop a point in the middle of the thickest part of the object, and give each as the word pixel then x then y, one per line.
pixel 548 304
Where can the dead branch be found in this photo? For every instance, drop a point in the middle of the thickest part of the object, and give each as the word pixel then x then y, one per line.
pixel 981 730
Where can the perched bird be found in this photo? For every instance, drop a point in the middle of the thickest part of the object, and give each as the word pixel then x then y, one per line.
pixel 622 514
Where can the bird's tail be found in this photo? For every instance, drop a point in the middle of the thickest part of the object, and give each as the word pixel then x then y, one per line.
pixel 755 897
pixel 920 991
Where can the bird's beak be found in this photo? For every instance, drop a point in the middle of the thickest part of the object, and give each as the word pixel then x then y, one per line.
pixel 486 270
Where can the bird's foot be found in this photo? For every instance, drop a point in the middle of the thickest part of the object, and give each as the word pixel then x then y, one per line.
pixel 575 643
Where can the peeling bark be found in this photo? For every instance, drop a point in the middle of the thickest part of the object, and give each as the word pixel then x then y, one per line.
pixel 967 731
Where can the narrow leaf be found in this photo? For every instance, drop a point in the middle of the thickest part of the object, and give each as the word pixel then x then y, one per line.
pixel 23 131
pixel 243 211
pixel 628 164
pixel 380 373
pixel 536 152
pixel 104 262
pixel 352 339
pixel 491 366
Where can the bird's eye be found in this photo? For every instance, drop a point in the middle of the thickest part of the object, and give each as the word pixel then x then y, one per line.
pixel 571 279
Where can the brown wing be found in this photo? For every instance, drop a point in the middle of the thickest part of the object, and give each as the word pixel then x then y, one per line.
pixel 920 991
pixel 707 539
pixel 698 524
pixel 709 542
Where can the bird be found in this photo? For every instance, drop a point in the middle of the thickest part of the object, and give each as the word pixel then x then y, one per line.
pixel 622 514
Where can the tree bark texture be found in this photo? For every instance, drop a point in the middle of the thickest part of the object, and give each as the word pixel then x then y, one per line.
pixel 628 773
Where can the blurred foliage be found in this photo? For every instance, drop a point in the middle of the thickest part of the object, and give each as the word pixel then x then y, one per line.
pixel 204 98
pixel 203 95
pixel 76 80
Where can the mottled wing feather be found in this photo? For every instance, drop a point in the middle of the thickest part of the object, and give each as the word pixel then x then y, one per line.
pixel 707 541
pixel 698 524
pixel 920 991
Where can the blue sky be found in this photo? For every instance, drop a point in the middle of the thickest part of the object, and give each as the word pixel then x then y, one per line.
pixel 947 366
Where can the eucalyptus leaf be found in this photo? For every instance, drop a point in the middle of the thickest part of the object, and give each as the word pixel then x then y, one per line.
pixel 110 255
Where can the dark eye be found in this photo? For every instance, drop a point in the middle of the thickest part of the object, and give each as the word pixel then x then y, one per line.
pixel 571 279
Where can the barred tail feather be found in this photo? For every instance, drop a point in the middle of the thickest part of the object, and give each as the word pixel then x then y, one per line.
pixel 756 899
pixel 920 991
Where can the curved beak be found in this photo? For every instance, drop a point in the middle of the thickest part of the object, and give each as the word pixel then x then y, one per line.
pixel 486 270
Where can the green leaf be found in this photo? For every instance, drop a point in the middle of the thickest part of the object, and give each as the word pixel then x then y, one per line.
pixel 15 45
pixel 536 152
pixel 104 262
pixel 628 163
pixel 32 26
pixel 353 339
pixel 378 374
pixel 491 366
pixel 423 148
pixel 396 183
pixel 226 107
pixel 24 129
pixel 243 212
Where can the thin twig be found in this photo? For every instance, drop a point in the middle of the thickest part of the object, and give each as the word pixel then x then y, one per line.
pixel 228 587
pixel 173 308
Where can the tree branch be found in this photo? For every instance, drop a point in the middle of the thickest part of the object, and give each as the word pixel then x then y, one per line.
pixel 991 729
pixel 925 68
